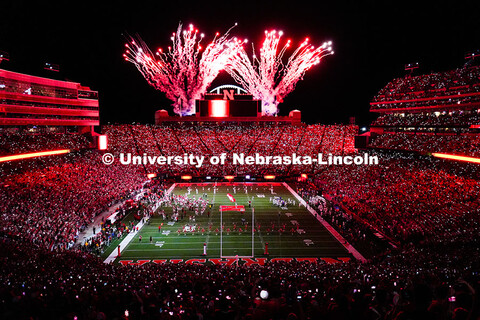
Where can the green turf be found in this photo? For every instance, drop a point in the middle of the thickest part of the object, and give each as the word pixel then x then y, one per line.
pixel 188 245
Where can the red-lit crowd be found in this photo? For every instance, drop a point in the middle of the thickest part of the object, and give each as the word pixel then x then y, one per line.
pixel 430 209
pixel 453 119
pixel 436 112
pixel 212 139
pixel 460 144
pixel 427 281
pixel 407 199
pixel 457 86
pixel 51 206
pixel 16 142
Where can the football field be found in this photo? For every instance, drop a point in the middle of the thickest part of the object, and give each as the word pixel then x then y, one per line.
pixel 234 221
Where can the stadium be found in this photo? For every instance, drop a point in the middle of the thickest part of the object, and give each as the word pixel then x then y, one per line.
pixel 232 200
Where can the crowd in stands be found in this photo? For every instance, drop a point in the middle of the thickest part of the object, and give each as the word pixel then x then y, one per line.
pixel 439 102
pixel 427 281
pixel 449 124
pixel 358 232
pixel 454 118
pixel 432 213
pixel 457 86
pixel 50 206
pixel 407 200
pixel 213 139
pixel 25 142
pixel 461 144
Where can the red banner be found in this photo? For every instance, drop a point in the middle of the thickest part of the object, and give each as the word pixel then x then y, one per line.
pixel 232 208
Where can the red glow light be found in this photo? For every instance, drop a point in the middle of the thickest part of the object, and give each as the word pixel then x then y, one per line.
pixel 218 108
pixel 33 155
pixel 151 175
pixel 102 142
pixel 456 157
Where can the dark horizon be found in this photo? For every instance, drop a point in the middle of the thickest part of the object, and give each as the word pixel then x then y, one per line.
pixel 372 43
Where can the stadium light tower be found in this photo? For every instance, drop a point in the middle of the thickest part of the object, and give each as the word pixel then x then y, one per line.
pixel 4 56
pixel 411 66
pixel 51 67
pixel 470 57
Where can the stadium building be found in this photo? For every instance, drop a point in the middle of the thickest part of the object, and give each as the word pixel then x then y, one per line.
pixel 28 101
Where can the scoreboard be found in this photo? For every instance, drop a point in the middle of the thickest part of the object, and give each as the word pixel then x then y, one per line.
pixel 228 104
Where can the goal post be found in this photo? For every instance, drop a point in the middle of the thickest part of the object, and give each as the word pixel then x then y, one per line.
pixel 226 248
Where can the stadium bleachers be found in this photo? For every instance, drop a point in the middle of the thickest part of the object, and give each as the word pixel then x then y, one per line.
pixel 431 212
pixel 434 89
pixel 25 142
pixel 216 139
pixel 436 112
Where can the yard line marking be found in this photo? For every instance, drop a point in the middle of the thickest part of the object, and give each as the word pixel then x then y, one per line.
pixel 308 242
pixel 259 233
pixel 209 220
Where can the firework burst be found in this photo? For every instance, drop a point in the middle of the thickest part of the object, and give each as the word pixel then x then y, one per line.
pixel 186 69
pixel 267 78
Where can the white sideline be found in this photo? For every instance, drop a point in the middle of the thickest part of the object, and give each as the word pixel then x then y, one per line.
pixel 130 236
pixel 330 229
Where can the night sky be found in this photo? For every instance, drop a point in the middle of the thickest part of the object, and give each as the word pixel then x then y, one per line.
pixel 372 41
